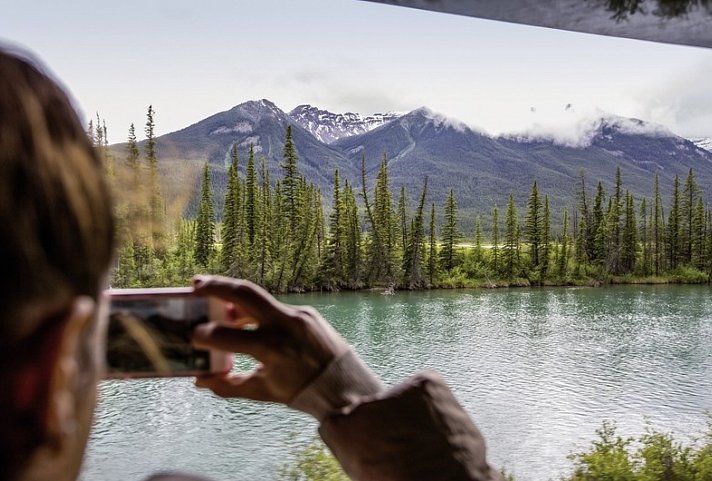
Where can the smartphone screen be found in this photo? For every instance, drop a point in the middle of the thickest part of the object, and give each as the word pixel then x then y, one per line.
pixel 149 334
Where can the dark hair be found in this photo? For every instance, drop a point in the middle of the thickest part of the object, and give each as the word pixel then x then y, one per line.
pixel 56 231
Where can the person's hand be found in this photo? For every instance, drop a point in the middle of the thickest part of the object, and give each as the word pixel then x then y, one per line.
pixel 292 343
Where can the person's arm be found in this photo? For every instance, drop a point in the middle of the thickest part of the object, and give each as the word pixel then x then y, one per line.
pixel 413 431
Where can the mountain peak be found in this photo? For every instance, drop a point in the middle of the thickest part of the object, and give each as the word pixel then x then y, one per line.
pixel 330 127
pixel 427 115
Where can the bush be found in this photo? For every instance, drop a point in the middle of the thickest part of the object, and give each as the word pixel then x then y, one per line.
pixel 654 456
pixel 313 462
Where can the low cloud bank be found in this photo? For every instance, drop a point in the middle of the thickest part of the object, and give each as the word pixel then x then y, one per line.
pixel 571 127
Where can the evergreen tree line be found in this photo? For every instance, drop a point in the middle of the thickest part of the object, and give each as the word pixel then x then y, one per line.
pixel 276 233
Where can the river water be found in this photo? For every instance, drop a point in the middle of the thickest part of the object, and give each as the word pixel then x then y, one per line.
pixel 537 369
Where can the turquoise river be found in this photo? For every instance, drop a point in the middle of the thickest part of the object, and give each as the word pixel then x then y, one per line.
pixel 537 369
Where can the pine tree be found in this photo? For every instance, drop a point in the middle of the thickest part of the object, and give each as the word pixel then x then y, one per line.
pixel 385 222
pixel 495 241
pixel 335 259
pixel 532 228
pixel 673 226
pixel 450 235
pixel 412 259
pixel 290 182
pixel 432 251
pixel 252 207
pixel 511 239
pixel 205 223
pixel 375 245
pixel 657 228
pixel 697 236
pixel 601 237
pixel 231 211
pixel 644 238
pixel 545 253
pixel 586 229
pixel 478 239
pixel 402 218
pixel 265 239
pixel 353 238
pixel 156 207
pixel 564 251
pixel 629 236
pixel 688 204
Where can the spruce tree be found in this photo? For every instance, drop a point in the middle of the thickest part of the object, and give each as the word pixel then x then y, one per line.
pixel 495 241
pixel 644 238
pixel 564 250
pixel 688 204
pixel 545 239
pixel 375 244
pixel 598 219
pixel 657 228
pixel 450 235
pixel 478 239
pixel 290 182
pixel 265 236
pixel 231 211
pixel 697 235
pixel 402 219
pixel 205 223
pixel 412 260
pixel 252 207
pixel 432 250
pixel 511 239
pixel 385 222
pixel 336 258
pixel 353 238
pixel 629 236
pixel 532 229
pixel 156 205
pixel 673 226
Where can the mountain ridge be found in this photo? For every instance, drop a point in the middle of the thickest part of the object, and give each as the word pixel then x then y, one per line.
pixel 482 169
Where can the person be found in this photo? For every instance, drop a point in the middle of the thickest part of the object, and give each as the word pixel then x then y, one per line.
pixel 56 248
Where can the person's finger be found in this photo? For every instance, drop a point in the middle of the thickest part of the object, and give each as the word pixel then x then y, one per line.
pixel 223 338
pixel 249 386
pixel 251 298
pixel 234 311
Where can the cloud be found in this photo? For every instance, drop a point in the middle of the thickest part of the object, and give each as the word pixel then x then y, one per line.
pixel 684 104
pixel 572 127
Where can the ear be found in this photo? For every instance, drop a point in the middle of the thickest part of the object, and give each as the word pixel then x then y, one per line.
pixel 61 413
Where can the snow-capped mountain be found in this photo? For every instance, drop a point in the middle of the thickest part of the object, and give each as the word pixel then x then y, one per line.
pixel 703 143
pixel 329 127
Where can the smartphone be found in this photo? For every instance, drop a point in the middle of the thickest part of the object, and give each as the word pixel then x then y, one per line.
pixel 150 330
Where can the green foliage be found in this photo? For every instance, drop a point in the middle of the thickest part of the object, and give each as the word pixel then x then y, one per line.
pixel 313 462
pixel 205 223
pixel 653 456
pixel 451 235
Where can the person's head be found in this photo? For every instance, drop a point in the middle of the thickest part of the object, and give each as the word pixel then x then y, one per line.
pixel 56 244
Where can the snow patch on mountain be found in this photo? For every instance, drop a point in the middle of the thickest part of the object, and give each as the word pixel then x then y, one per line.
pixel 703 143
pixel 329 127
pixel 240 128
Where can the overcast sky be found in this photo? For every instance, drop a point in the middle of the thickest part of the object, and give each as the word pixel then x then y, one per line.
pixel 192 59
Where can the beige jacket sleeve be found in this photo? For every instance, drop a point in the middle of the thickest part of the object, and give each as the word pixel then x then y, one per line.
pixel 414 431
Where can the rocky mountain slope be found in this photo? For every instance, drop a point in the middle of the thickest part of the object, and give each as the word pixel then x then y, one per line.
pixel 482 169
